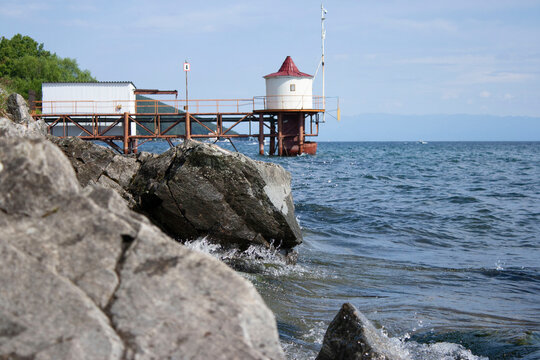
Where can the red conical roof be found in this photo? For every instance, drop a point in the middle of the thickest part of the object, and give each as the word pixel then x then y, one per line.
pixel 288 68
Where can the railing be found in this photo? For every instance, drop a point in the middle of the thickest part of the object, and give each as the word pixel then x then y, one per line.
pixel 151 107
pixel 173 107
pixel 289 102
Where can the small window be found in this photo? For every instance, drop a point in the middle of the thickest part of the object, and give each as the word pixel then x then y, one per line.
pixel 293 87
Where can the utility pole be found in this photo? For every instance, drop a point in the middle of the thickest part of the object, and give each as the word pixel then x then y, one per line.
pixel 323 37
pixel 187 68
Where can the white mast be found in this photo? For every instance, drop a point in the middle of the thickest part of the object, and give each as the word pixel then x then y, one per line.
pixel 323 36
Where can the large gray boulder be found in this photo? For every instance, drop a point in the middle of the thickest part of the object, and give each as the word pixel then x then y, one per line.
pixel 85 277
pixel 96 164
pixel 351 336
pixel 198 189
pixel 195 190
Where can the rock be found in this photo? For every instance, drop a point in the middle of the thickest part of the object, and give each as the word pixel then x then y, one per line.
pixel 207 315
pixel 85 277
pixel 21 122
pixel 18 108
pixel 35 177
pixel 351 336
pixel 198 189
pixel 43 316
pixel 97 164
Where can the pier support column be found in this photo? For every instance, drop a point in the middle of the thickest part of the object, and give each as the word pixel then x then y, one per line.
pixel 188 126
pixel 126 133
pixel 272 137
pixel 261 134
pixel 301 120
pixel 219 128
pixel 280 134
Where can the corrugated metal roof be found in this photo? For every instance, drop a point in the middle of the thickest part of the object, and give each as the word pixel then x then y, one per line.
pixel 91 82
pixel 288 68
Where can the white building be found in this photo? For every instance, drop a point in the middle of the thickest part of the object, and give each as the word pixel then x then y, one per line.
pixel 105 97
pixel 289 88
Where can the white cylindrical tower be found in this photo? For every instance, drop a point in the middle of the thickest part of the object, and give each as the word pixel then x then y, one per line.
pixel 289 88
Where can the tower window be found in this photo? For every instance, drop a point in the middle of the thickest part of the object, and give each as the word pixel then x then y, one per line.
pixel 293 87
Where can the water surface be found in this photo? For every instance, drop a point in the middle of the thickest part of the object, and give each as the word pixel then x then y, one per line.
pixel 434 243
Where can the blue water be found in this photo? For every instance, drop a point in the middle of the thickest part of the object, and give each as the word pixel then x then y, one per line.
pixel 436 242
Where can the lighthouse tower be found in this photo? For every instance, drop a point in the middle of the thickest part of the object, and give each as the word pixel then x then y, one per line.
pixel 289 88
pixel 289 101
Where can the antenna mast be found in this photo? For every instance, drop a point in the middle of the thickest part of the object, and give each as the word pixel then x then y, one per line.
pixel 323 37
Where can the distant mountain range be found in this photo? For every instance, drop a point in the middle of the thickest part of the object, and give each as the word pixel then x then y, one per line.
pixel 458 127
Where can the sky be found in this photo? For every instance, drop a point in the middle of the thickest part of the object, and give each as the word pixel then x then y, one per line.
pixel 476 57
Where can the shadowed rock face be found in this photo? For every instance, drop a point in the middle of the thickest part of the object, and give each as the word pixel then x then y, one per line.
pixel 84 277
pixel 199 189
pixel 195 190
pixel 350 336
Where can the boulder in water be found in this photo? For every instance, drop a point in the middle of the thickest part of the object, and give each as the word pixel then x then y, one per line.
pixel 350 336
pixel 198 189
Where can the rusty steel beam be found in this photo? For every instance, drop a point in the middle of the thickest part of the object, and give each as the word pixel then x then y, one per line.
pixel 212 131
pixel 78 125
pixel 233 125
pixel 280 134
pixel 188 126
pixel 141 125
pixel 261 135
pixel 126 133
pixel 109 127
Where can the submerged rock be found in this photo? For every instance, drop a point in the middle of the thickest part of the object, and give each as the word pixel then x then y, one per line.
pixel 198 189
pixel 350 336
pixel 84 277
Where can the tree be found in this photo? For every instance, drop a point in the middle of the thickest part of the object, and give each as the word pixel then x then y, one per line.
pixel 25 65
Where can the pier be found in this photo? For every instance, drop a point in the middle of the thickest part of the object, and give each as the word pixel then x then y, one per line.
pixel 279 131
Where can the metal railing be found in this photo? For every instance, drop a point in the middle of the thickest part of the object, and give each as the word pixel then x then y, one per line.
pixel 172 107
pixel 288 102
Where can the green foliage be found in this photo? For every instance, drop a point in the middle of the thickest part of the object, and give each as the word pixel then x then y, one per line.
pixel 25 65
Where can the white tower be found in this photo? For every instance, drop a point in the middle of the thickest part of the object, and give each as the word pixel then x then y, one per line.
pixel 289 88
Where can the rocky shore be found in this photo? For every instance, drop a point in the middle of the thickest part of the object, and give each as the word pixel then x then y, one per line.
pixel 85 277
pixel 92 264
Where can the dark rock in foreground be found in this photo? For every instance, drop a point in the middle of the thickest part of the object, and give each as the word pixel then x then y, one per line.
pixel 197 189
pixel 84 277
pixel 350 336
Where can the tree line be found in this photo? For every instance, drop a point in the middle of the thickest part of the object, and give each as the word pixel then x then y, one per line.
pixel 25 65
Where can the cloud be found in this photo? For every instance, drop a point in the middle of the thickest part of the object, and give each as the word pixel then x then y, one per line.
pixel 449 60
pixel 420 25
pixel 209 20
pixel 450 94
pixel 485 94
pixel 19 9
pixel 497 77
pixel 341 57
pixel 508 96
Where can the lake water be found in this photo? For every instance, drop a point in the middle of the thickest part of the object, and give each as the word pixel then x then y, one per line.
pixel 438 244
